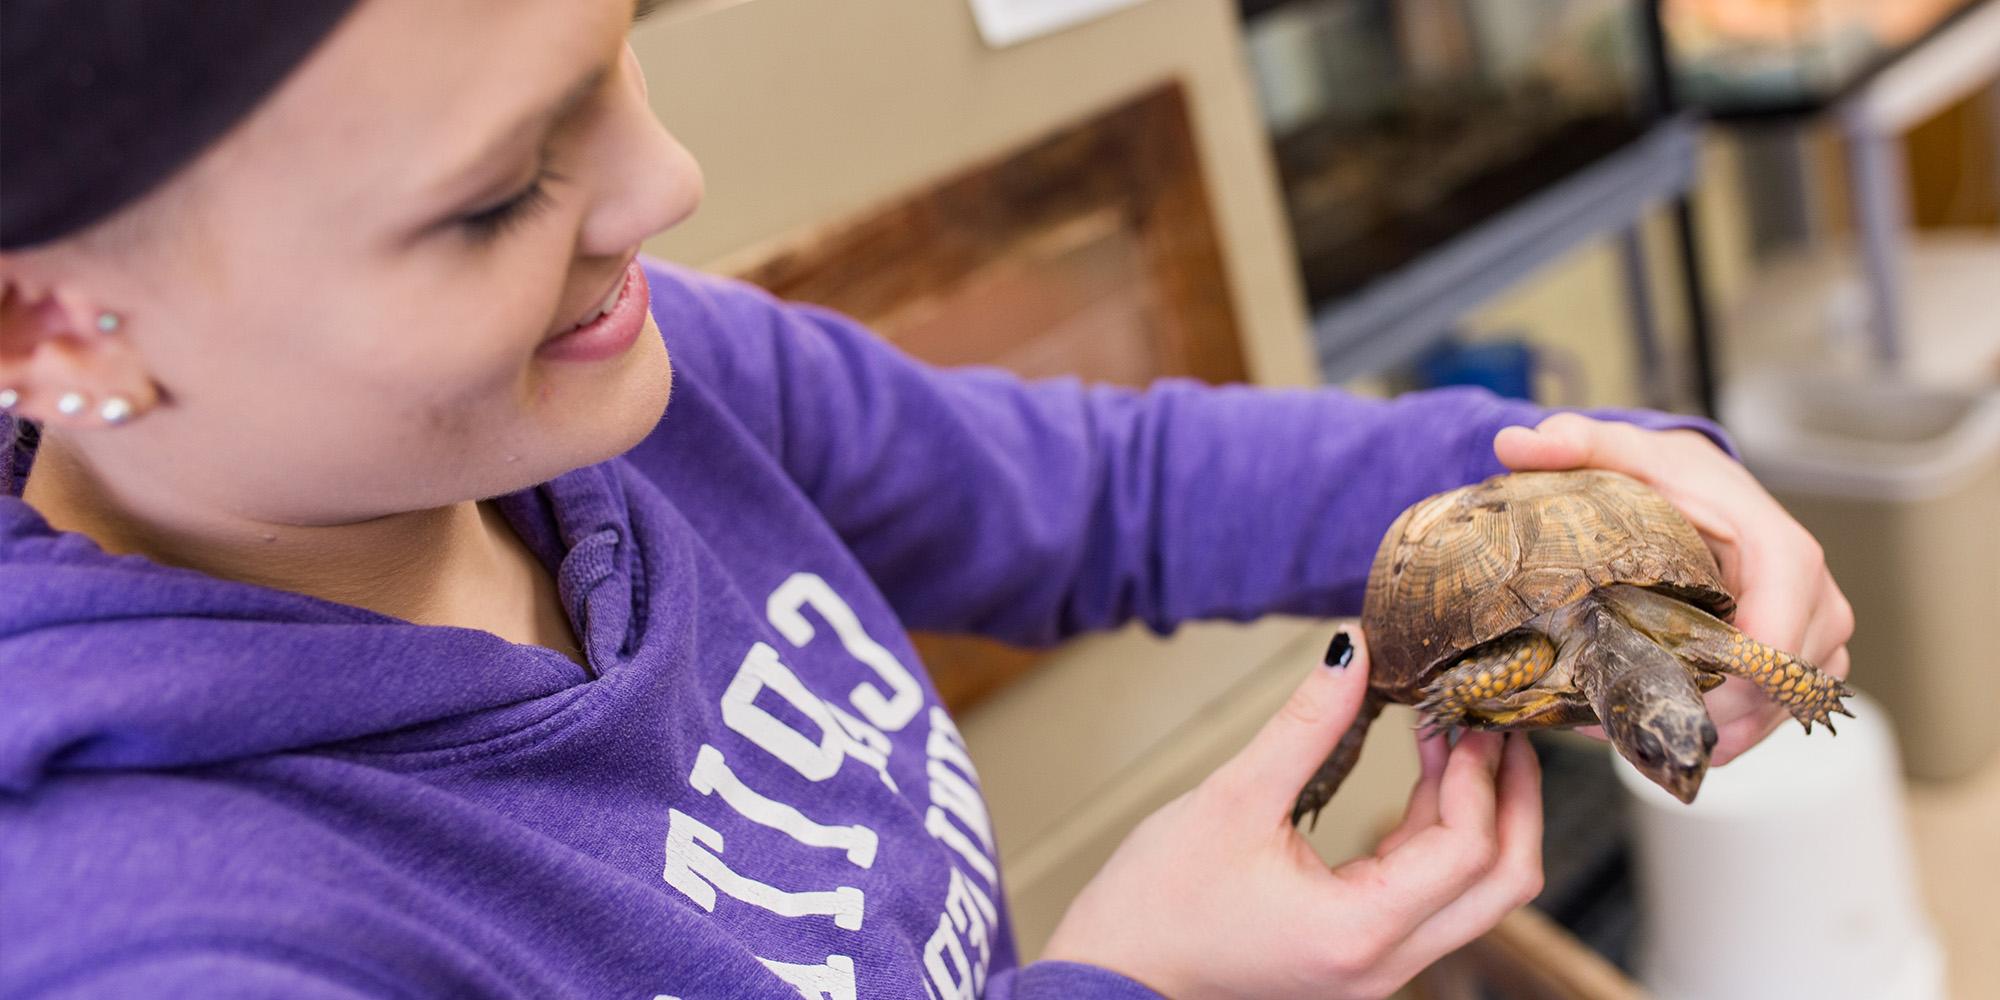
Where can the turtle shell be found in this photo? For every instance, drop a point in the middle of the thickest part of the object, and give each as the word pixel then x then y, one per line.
pixel 1469 565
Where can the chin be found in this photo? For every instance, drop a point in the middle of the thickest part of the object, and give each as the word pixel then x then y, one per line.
pixel 589 420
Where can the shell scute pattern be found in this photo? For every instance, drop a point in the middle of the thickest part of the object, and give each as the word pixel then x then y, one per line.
pixel 1467 566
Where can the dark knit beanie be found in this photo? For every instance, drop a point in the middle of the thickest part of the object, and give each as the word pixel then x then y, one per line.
pixel 102 100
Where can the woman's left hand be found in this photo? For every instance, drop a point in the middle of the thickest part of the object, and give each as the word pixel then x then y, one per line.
pixel 1784 595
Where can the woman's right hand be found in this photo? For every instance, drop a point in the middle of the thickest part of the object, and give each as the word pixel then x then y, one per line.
pixel 1217 895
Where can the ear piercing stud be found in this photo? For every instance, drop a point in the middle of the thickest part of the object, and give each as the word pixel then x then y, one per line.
pixel 109 322
pixel 114 410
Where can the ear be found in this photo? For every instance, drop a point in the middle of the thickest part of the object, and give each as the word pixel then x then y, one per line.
pixel 65 362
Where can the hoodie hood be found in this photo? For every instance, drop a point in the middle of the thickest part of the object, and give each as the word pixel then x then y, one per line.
pixel 120 663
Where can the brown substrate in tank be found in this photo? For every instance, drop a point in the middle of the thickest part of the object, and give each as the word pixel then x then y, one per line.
pixel 1367 198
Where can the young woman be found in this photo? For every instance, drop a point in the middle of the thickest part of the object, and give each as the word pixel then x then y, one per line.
pixel 366 630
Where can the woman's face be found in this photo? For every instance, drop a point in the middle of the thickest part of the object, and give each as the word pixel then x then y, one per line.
pixel 344 302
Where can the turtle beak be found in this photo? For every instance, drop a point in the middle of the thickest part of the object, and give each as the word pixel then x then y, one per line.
pixel 1686 763
pixel 1683 772
pixel 1673 755
pixel 1683 779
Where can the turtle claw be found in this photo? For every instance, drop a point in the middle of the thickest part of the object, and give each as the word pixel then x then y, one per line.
pixel 1311 818
pixel 1439 713
pixel 1809 710
pixel 1426 727
pixel 1431 731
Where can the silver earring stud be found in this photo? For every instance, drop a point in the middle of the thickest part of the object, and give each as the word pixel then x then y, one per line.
pixel 69 404
pixel 9 399
pixel 109 322
pixel 116 410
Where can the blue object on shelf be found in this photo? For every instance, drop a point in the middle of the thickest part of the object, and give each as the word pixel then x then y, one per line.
pixel 1507 367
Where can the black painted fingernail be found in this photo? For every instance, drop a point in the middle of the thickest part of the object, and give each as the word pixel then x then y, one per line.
pixel 1340 652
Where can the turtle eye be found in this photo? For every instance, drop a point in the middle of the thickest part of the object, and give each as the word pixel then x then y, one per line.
pixel 1648 747
pixel 1708 735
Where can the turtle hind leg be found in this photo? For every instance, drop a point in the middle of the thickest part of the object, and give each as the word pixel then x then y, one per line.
pixel 1320 787
pixel 1490 684
pixel 1713 645
pixel 1533 709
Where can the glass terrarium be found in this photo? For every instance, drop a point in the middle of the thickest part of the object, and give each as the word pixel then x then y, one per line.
pixel 1775 56
pixel 1401 123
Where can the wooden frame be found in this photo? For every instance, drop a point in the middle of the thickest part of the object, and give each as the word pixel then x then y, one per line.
pixel 1527 957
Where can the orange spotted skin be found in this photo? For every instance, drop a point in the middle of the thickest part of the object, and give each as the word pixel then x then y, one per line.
pixel 1507 665
pixel 1468 566
pixel 1784 677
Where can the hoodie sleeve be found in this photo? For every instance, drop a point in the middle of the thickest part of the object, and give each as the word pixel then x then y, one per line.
pixel 1029 511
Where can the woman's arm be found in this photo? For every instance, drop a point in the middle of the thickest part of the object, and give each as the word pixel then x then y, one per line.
pixel 1030 511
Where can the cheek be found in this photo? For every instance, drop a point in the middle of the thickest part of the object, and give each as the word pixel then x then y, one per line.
pixel 450 342
pixel 412 380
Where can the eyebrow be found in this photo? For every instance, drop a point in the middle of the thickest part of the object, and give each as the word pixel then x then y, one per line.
pixel 475 169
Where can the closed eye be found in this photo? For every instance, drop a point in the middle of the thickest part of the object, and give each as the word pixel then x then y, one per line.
pixel 489 224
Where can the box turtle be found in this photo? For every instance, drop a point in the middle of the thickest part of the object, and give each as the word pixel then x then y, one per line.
pixel 1550 599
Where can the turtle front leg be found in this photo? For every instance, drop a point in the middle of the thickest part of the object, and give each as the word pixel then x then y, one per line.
pixel 1807 692
pixel 1488 687
pixel 1705 641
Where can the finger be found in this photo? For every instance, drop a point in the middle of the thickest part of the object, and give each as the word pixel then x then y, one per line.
pixel 1437 863
pixel 1538 448
pixel 1831 626
pixel 1516 877
pixel 1738 735
pixel 1467 797
pixel 1780 575
pixel 1432 753
pixel 1264 777
pixel 1572 440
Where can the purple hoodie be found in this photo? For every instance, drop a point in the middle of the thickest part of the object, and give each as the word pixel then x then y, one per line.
pixel 220 790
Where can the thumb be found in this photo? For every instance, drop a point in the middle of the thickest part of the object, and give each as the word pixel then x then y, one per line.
pixel 1268 772
pixel 1563 441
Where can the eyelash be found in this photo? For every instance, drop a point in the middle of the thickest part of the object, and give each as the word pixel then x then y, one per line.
pixel 489 224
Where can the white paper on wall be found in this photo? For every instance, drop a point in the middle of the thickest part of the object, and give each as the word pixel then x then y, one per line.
pixel 1005 22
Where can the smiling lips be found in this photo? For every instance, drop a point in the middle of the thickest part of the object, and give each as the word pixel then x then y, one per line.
pixel 610 299
pixel 610 329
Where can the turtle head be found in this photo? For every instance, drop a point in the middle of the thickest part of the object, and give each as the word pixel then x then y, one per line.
pixel 1660 724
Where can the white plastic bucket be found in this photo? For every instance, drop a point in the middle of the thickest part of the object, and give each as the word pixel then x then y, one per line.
pixel 1790 876
pixel 1900 482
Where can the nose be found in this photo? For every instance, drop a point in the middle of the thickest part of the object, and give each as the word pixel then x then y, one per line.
pixel 646 182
